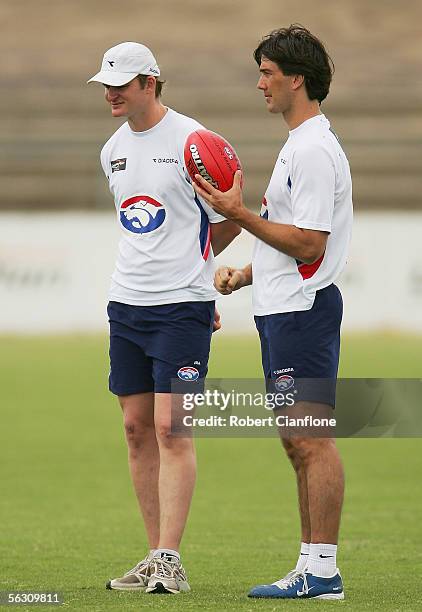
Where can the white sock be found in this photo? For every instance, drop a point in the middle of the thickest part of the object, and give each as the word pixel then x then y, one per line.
pixel 303 557
pixel 166 552
pixel 322 560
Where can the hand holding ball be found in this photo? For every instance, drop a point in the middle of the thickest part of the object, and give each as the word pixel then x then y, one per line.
pixel 212 157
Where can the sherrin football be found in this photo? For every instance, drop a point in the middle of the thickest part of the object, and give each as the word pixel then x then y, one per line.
pixel 211 156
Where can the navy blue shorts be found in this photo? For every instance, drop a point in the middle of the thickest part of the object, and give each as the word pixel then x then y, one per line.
pixel 300 350
pixel 150 345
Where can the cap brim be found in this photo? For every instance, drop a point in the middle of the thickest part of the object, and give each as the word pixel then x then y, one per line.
pixel 113 78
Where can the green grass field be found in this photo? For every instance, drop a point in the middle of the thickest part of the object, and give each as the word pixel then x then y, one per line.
pixel 69 519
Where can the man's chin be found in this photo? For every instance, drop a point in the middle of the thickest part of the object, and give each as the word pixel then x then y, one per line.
pixel 274 110
pixel 117 112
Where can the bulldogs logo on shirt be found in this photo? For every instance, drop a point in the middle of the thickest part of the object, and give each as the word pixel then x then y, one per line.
pixel 142 214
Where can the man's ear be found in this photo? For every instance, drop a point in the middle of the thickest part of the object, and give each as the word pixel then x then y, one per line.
pixel 297 81
pixel 150 84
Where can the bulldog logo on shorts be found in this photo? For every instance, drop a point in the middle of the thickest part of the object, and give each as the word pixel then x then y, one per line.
pixel 188 373
pixel 284 382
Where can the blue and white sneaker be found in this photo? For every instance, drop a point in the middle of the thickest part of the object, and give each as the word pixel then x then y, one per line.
pixel 301 585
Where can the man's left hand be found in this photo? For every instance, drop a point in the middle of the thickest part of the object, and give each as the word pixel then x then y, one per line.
pixel 229 204
pixel 217 322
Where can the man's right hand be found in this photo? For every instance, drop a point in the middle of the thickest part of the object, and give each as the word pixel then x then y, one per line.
pixel 227 280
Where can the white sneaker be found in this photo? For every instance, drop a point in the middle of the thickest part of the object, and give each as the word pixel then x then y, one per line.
pixel 136 579
pixel 167 576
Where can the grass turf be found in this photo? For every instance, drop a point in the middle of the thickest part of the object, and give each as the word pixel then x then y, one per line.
pixel 69 518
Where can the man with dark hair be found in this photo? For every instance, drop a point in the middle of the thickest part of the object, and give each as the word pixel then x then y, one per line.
pixel 303 234
pixel 161 308
pixel 295 49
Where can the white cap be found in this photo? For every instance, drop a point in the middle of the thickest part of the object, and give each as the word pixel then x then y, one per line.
pixel 124 62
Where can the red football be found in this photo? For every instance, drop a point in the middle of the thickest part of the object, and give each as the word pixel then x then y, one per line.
pixel 211 156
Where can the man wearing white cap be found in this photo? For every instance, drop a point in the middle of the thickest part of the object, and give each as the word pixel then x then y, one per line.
pixel 161 308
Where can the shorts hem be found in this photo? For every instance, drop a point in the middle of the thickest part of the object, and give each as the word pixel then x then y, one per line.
pixel 130 392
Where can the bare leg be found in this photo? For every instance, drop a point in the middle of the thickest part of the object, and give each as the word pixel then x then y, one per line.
pixel 177 474
pixel 319 472
pixel 325 479
pixel 321 463
pixel 144 460
pixel 302 490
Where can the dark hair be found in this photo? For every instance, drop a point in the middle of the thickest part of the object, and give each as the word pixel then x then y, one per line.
pixel 296 51
pixel 142 78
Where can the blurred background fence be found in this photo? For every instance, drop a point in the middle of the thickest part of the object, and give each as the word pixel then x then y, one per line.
pixel 52 125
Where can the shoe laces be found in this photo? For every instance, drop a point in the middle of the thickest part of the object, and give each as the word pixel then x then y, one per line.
pixel 286 579
pixel 140 568
pixel 289 581
pixel 163 568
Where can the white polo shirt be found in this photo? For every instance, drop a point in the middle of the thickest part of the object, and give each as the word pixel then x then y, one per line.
pixel 165 254
pixel 310 188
